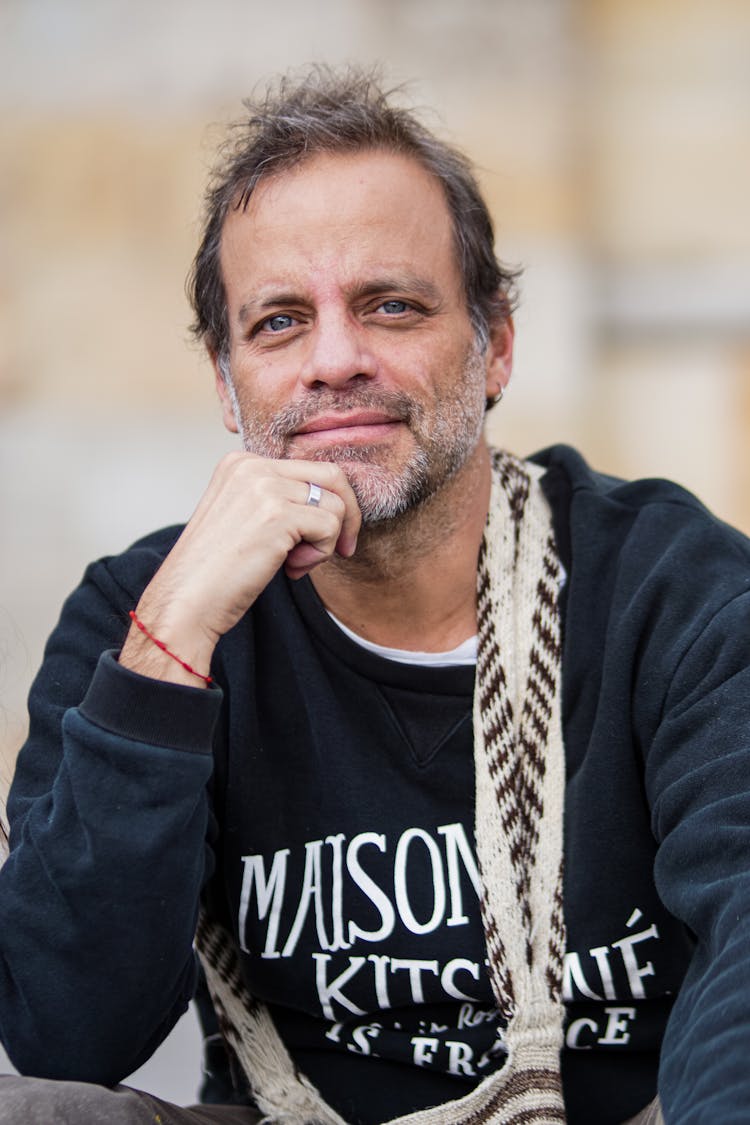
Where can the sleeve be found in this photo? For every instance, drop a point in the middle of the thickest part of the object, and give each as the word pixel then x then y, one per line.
pixel 698 784
pixel 109 833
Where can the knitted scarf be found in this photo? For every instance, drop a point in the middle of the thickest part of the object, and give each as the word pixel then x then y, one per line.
pixel 519 770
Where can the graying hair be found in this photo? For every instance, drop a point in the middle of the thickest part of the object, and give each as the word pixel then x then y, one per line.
pixel 331 111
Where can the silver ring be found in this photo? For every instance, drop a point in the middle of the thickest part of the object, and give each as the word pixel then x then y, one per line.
pixel 314 494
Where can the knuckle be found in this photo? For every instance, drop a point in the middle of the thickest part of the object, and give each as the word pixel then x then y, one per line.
pixel 338 507
pixel 331 523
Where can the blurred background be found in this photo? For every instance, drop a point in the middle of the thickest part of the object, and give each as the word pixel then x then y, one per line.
pixel 613 140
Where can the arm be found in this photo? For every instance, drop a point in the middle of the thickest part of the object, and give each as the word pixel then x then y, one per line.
pixel 252 520
pixel 698 782
pixel 109 816
pixel 109 823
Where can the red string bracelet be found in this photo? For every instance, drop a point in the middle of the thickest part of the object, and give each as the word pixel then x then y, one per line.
pixel 165 650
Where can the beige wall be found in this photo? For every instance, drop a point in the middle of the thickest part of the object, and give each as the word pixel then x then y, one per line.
pixel 614 142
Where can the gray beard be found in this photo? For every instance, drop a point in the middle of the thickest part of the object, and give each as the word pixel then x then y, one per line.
pixel 443 444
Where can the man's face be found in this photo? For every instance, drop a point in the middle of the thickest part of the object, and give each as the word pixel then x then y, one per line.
pixel 350 340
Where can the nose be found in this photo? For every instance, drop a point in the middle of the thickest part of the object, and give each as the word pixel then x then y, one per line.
pixel 337 353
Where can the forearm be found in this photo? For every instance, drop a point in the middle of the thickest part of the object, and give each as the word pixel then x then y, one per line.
pixel 99 897
pixel 697 779
pixel 109 813
pixel 703 874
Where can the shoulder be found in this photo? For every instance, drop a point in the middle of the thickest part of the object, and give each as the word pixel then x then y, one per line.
pixel 564 462
pixel 129 572
pixel 609 513
pixel 644 558
pixel 95 613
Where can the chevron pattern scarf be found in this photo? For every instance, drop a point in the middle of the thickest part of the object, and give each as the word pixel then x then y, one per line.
pixel 520 781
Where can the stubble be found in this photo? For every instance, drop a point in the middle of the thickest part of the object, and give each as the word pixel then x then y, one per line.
pixel 445 432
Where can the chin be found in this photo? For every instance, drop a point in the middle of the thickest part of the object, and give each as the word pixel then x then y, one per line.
pixel 386 493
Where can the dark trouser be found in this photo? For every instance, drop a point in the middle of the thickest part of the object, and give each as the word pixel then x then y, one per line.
pixel 37 1101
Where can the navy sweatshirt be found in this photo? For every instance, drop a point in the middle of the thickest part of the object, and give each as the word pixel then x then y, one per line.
pixel 133 798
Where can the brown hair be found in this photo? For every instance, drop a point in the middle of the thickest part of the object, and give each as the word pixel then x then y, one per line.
pixel 331 111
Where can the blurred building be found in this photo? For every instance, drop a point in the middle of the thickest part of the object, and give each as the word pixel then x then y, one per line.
pixel 613 138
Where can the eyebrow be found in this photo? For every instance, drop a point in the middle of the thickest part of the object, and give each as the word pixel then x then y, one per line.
pixel 404 282
pixel 251 307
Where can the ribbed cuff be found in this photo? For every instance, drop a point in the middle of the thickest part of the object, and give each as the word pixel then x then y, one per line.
pixel 153 711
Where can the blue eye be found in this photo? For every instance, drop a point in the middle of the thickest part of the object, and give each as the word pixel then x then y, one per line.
pixel 394 307
pixel 278 323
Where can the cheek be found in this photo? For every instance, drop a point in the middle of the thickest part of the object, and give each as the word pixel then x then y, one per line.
pixel 263 385
pixel 437 370
pixel 416 362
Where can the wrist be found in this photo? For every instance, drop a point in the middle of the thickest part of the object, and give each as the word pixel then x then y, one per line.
pixel 164 650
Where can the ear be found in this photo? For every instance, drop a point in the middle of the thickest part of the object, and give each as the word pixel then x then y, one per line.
pixel 499 358
pixel 225 397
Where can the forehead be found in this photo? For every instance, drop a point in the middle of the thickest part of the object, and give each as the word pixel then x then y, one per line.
pixel 342 214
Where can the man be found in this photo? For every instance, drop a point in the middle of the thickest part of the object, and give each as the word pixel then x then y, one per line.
pixel 274 714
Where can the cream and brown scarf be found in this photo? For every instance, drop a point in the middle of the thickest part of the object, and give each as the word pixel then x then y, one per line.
pixel 520 780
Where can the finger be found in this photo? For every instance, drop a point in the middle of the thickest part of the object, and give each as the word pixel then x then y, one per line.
pixel 332 479
pixel 302 559
pixel 313 495
pixel 319 531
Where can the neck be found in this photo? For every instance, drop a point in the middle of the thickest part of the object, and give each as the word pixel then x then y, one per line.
pixel 412 582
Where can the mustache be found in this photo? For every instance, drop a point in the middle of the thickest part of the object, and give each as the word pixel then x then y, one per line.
pixel 396 404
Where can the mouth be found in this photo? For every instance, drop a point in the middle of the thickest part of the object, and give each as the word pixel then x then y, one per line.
pixel 362 426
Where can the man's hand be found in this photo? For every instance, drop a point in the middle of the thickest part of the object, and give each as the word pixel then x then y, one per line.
pixel 252 519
